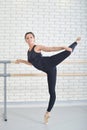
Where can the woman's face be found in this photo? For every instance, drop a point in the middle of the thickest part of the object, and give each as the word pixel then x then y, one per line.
pixel 30 39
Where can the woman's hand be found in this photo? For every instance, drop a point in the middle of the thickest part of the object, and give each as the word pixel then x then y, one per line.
pixel 18 61
pixel 68 49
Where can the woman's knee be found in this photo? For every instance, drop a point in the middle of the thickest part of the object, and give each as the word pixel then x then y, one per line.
pixel 52 94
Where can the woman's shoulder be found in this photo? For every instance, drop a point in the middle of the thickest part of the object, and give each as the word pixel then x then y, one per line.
pixel 37 47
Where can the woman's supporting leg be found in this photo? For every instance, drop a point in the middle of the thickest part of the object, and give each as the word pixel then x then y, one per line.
pixel 58 58
pixel 51 77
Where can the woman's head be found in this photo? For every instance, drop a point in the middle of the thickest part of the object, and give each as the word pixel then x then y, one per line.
pixel 30 37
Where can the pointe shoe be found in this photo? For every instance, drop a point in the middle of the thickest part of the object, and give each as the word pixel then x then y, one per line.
pixel 78 39
pixel 46 117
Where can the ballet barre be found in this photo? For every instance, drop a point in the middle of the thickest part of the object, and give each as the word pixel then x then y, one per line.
pixel 5 75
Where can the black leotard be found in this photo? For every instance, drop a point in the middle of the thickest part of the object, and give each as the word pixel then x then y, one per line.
pixel 48 65
pixel 38 61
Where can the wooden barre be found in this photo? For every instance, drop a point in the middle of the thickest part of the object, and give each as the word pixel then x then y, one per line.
pixel 77 62
pixel 67 62
pixel 14 75
pixel 61 74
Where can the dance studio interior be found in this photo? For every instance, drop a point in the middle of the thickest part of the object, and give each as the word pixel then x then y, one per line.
pixel 43 64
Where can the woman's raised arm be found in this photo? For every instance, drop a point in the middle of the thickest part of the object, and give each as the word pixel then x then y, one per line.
pixel 50 49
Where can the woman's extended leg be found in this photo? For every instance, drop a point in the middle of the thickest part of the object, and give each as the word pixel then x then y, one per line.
pixel 58 58
pixel 51 77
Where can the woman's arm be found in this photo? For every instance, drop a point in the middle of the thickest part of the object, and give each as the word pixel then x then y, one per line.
pixel 50 49
pixel 22 61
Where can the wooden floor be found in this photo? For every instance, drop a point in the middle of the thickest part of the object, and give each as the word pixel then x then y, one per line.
pixel 62 118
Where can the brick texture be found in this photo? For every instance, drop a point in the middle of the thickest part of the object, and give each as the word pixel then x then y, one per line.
pixel 55 23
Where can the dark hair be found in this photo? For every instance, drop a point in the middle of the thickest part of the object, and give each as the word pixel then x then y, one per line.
pixel 29 33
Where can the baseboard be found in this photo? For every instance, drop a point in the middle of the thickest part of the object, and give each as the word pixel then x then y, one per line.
pixel 45 103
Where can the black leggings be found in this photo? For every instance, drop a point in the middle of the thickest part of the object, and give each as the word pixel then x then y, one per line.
pixel 51 74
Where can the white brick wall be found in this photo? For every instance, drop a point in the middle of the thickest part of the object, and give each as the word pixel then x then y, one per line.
pixel 54 22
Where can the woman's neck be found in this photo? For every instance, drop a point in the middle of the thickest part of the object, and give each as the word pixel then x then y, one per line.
pixel 31 46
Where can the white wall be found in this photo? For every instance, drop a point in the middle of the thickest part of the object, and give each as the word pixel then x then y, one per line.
pixel 55 23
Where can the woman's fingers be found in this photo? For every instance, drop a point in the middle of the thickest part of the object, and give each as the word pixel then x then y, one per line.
pixel 70 49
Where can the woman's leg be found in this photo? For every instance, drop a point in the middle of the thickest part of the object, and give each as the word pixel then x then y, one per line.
pixel 58 58
pixel 51 78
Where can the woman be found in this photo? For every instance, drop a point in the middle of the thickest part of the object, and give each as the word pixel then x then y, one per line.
pixel 46 64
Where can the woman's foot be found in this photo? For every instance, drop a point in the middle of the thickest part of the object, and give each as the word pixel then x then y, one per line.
pixel 46 117
pixel 78 39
